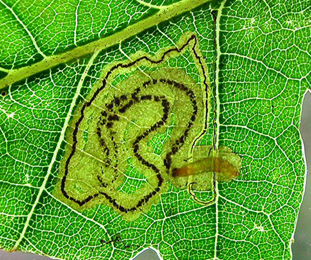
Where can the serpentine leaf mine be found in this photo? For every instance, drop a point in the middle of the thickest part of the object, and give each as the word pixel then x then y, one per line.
pixel 139 123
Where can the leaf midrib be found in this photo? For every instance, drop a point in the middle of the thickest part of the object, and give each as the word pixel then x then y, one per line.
pixel 49 62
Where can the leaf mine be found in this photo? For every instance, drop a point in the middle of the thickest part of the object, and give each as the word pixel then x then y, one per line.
pixel 141 122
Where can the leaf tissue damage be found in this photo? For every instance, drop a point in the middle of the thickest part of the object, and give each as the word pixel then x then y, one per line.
pixel 142 122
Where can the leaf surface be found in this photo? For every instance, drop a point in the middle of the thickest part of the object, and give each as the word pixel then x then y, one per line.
pixel 53 55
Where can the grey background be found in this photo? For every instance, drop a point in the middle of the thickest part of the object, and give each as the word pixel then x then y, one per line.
pixel 302 245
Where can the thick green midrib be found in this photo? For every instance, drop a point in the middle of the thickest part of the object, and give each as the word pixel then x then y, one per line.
pixel 164 14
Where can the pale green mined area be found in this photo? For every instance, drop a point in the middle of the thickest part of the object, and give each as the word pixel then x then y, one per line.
pixel 133 179
pixel 100 164
pixel 158 141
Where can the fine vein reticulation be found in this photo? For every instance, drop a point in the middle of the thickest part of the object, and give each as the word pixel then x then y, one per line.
pixel 49 62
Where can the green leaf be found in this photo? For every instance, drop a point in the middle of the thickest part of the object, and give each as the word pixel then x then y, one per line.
pixel 248 65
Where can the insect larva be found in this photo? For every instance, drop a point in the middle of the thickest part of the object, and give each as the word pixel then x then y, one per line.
pixel 224 170
pixel 211 165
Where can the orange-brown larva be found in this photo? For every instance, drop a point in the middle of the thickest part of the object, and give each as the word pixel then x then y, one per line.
pixel 211 165
pixel 224 170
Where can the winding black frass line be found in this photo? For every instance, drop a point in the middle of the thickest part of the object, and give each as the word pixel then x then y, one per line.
pixel 165 108
pixel 206 91
pixel 108 122
pixel 135 99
